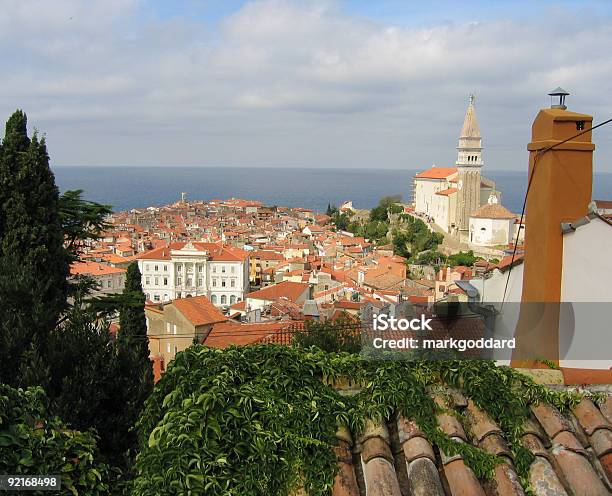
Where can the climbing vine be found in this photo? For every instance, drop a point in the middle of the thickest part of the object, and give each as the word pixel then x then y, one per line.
pixel 262 419
pixel 32 442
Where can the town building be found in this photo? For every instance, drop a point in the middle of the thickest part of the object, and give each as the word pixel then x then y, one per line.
pixel 173 327
pixel 492 224
pixel 108 279
pixel 179 270
pixel 449 195
pixel 295 292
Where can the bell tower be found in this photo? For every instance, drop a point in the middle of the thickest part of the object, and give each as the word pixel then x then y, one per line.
pixel 469 163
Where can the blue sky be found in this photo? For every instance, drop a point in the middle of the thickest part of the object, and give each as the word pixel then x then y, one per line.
pixel 403 12
pixel 308 83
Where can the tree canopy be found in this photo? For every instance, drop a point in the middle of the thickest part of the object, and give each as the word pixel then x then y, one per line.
pixel 34 264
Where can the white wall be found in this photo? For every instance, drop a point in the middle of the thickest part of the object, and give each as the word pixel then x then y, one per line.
pixel 492 292
pixel 425 190
pixel 587 273
pixel 441 211
pixel 490 232
pixel 238 272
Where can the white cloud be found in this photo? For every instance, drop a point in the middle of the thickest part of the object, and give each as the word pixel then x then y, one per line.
pixel 288 82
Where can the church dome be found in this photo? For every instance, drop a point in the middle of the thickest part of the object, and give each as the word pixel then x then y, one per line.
pixel 492 211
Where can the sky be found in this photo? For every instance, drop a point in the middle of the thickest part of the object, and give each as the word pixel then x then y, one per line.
pixel 299 83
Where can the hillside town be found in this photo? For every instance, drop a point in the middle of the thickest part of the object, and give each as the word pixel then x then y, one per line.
pixel 305 248
pixel 238 271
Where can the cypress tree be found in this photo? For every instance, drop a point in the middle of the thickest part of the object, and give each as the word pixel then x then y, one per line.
pixel 33 262
pixel 135 367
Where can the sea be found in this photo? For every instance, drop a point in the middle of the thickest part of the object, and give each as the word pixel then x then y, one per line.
pixel 129 187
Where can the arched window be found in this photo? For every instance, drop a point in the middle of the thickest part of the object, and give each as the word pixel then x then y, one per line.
pixel 213 299
pixel 223 299
pixel 232 300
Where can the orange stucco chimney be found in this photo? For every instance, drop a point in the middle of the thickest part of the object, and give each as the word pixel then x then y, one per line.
pixel 560 191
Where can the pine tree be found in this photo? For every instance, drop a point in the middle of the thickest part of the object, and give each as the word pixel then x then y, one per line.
pixel 33 261
pixel 135 366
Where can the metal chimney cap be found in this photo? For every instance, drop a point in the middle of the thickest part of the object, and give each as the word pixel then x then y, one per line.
pixel 561 93
pixel 558 91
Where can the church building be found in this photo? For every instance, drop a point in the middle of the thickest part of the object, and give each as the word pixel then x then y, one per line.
pixel 449 195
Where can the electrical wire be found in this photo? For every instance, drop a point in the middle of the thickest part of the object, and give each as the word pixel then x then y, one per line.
pixel 535 161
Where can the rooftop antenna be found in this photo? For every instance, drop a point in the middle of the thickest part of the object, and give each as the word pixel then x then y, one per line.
pixel 561 93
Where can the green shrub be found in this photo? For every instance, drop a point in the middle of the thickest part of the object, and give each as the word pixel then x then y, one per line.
pixel 340 335
pixel 33 443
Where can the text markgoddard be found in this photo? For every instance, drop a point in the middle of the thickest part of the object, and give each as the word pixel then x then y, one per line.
pixel 383 322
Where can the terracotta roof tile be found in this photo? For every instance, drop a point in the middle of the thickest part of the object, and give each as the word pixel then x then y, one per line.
pixel 551 419
pixel 198 310
pixel 579 473
pixel 234 333
pixel 492 211
pixel 437 173
pixel 601 441
pixel 94 269
pixel 447 192
pixel 544 480
pixel 345 482
pixel 590 417
pixel 561 467
pixel 480 423
pixel 606 463
pixel 462 480
pixel 378 469
pixel 286 289
pixel 505 482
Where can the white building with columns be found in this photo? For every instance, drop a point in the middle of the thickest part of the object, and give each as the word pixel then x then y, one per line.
pixel 448 195
pixel 181 270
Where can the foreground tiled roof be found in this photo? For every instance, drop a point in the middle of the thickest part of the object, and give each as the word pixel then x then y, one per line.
pixel 573 454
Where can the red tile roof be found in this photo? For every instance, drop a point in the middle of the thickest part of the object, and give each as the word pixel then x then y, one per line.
pixel 447 192
pixel 94 269
pixel 199 310
pixel 506 261
pixel 437 173
pixel 267 255
pixel 492 211
pixel 241 305
pixel 348 305
pixel 286 289
pixel 233 333
pixel 217 251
